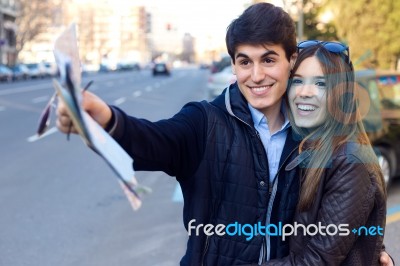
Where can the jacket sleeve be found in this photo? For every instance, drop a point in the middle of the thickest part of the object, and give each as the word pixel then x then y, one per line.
pixel 348 198
pixel 174 146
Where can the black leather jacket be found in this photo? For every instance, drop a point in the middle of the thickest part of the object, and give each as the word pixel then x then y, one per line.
pixel 348 194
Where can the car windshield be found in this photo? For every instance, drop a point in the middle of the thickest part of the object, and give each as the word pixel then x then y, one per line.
pixel 32 66
pixel 389 90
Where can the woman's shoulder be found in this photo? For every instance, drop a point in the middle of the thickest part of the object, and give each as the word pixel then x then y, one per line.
pixel 356 152
pixel 355 161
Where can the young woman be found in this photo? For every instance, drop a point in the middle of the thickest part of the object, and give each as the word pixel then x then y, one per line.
pixel 342 203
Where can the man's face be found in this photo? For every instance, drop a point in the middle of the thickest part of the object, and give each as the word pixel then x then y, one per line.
pixel 262 74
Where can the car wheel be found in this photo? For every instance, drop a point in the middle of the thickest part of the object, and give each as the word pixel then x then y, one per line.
pixel 385 164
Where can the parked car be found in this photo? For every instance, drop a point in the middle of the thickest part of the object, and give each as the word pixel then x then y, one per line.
pixel 37 70
pixel 382 117
pixel 218 81
pixel 161 69
pixel 20 72
pixel 221 64
pixel 6 74
pixel 50 69
pixel 128 65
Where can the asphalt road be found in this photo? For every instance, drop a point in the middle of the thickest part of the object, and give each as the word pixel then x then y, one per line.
pixel 61 204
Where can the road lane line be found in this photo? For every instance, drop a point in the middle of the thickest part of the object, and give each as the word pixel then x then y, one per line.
pixel 47 133
pixel 40 99
pixel 137 93
pixel 393 214
pixel 27 88
pixel 120 101
pixel 393 218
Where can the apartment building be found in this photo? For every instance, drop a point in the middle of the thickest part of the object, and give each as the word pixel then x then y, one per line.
pixel 8 29
pixel 116 30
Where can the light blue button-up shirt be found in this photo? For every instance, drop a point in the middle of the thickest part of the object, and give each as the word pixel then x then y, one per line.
pixel 274 143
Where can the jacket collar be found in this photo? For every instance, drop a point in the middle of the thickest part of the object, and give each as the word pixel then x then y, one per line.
pixel 233 102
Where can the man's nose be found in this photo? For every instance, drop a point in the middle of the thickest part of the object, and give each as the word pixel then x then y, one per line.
pixel 257 74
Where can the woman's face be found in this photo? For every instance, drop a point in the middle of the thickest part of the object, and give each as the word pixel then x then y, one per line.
pixel 307 94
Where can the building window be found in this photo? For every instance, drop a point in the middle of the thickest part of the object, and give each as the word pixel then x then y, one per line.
pixel 10 37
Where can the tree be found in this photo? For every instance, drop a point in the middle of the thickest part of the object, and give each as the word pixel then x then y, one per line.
pixel 371 28
pixel 314 27
pixel 34 17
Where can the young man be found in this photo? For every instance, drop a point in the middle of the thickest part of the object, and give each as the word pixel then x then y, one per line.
pixel 229 155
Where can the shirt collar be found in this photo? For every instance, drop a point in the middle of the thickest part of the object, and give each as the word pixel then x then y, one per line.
pixel 259 118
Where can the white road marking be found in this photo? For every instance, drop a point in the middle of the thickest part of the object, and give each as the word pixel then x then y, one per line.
pixel 137 93
pixel 26 89
pixel 120 101
pixel 47 133
pixel 40 99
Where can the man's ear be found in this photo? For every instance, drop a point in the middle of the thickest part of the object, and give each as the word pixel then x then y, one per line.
pixel 292 60
pixel 233 68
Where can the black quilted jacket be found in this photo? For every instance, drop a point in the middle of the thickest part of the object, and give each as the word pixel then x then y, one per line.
pixel 219 161
pixel 348 194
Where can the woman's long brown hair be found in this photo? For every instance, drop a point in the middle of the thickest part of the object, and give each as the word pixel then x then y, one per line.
pixel 343 122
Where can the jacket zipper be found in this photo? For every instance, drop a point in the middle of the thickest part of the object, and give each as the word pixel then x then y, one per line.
pixel 205 250
pixel 272 192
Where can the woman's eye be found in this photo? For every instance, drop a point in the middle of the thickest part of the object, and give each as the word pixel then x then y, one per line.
pixel 297 81
pixel 320 83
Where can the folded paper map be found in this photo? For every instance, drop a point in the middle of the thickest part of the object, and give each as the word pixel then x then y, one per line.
pixel 92 134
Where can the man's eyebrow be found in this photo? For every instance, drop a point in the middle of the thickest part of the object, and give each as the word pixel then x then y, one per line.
pixel 242 55
pixel 267 53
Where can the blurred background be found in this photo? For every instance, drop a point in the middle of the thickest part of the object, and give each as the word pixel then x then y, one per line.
pixel 60 203
pixel 192 31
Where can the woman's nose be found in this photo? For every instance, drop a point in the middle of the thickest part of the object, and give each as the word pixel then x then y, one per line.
pixel 305 90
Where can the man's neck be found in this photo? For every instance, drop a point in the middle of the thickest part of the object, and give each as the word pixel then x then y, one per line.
pixel 275 118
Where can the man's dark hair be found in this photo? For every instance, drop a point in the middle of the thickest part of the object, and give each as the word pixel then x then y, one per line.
pixel 261 24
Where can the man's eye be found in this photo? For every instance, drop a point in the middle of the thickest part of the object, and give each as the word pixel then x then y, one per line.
pixel 245 62
pixel 269 60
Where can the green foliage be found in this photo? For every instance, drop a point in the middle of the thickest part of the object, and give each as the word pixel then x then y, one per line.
pixel 314 29
pixel 371 28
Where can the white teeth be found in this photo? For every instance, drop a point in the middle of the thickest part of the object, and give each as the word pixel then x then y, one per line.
pixel 260 89
pixel 306 107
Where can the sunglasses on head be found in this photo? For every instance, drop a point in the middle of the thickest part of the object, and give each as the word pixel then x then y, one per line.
pixel 333 47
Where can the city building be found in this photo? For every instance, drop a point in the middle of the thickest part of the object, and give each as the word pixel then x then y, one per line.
pixel 8 29
pixel 188 51
pixel 111 31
